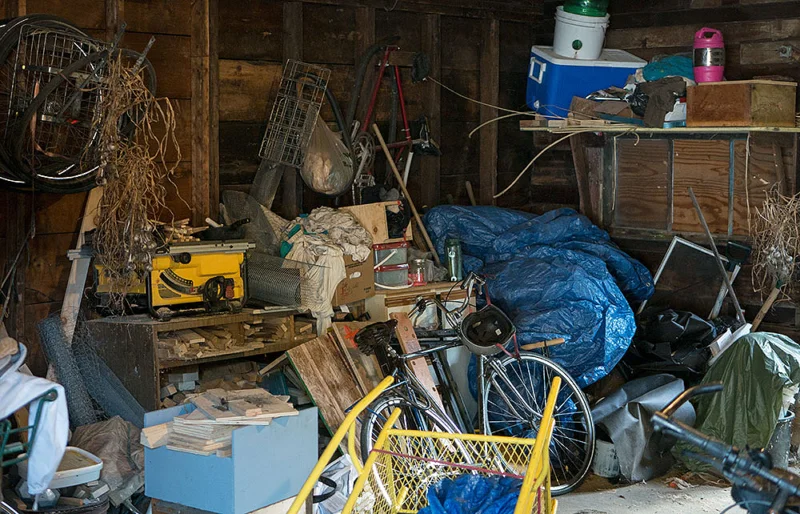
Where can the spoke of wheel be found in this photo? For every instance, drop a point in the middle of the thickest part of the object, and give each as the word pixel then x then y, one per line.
pixel 501 371
pixel 502 394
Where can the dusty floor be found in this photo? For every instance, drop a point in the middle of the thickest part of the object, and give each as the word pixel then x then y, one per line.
pixel 598 496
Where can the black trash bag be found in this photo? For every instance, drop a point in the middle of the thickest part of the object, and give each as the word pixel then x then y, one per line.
pixel 670 341
pixel 638 101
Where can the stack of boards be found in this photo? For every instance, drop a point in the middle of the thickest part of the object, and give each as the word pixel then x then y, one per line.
pixel 208 429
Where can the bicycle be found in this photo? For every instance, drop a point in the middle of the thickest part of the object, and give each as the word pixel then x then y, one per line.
pixel 512 388
pixel 757 486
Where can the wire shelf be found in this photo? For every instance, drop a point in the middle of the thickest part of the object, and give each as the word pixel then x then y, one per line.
pixel 294 113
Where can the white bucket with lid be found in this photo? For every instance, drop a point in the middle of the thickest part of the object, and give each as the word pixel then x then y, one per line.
pixel 579 37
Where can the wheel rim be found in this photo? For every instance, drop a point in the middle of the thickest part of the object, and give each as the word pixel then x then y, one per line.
pixel 514 400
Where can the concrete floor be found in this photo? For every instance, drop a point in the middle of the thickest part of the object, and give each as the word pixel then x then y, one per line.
pixel 598 496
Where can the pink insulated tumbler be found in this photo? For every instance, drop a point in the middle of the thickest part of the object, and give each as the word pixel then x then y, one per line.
pixel 709 55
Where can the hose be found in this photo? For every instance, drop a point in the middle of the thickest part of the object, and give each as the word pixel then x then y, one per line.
pixel 361 72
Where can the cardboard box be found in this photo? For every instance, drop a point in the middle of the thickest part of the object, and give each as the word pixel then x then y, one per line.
pixel 359 284
pixel 742 103
pixel 373 217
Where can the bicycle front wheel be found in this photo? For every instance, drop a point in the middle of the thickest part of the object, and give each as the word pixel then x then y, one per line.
pixel 513 403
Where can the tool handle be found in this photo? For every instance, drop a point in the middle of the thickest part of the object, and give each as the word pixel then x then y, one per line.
pixel 399 179
pixel 773 295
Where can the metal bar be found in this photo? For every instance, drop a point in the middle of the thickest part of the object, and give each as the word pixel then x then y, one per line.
pixel 722 270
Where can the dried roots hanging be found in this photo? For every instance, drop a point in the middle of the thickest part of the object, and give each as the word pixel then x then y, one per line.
pixel 136 131
pixel 776 243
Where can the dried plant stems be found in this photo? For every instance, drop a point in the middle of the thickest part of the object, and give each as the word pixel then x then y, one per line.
pixel 776 243
pixel 134 172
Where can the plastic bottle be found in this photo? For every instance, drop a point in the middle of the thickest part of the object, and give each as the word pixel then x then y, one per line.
pixel 596 8
pixel 709 55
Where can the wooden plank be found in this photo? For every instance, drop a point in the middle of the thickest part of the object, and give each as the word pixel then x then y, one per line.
pixel 47 270
pixel 205 110
pixel 490 90
pixel 247 89
pixel 460 37
pixel 79 270
pixel 327 380
pixel 470 9
pixel 251 29
pixel 761 177
pixel 703 166
pixel 114 14
pixel 409 344
pixel 159 16
pixel 743 103
pixel 368 370
pixel 430 167
pixel 291 183
pixel 642 184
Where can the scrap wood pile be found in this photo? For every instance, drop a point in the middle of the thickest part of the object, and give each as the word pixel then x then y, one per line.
pixel 180 231
pixel 228 377
pixel 196 343
pixel 208 429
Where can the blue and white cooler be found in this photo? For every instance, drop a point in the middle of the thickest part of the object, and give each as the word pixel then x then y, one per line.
pixel 553 80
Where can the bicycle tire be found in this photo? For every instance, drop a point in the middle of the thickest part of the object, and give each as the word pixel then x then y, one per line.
pixel 381 408
pixel 572 409
pixel 5 508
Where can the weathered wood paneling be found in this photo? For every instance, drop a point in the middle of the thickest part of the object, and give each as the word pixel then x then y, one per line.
pixel 86 14
pixel 704 166
pixel 642 184
pixel 171 60
pixel 251 29
pixel 158 16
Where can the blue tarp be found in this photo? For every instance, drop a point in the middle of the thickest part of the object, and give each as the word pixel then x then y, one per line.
pixel 555 275
pixel 473 494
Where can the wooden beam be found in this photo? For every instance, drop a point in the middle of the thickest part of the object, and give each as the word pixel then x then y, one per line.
pixel 430 167
pixel 516 10
pixel 490 92
pixel 365 26
pixel 115 13
pixel 205 110
pixel 292 196
pixel 16 8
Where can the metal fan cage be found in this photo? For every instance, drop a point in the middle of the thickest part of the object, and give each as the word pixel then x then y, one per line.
pixel 294 113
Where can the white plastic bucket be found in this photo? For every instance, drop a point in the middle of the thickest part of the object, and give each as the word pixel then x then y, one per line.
pixel 579 37
pixel 605 463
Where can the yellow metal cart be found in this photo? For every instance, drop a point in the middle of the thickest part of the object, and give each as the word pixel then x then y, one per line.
pixel 404 463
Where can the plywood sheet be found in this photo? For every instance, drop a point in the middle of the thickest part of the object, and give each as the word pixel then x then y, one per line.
pixel 703 166
pixel 327 380
pixel 642 184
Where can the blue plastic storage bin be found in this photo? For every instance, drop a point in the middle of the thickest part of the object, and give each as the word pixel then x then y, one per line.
pixel 553 80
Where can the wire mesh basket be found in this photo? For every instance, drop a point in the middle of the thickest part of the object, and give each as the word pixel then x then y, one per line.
pixel 294 113
pixel 42 54
pixel 403 464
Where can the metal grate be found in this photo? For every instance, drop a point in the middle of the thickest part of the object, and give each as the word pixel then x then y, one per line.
pixel 294 113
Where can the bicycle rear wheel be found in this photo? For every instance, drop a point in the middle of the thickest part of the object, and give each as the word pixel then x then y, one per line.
pixel 512 405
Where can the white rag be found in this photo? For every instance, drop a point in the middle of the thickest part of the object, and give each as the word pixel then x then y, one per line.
pixel 18 390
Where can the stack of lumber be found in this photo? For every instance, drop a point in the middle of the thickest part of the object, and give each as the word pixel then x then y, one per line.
pixel 196 343
pixel 208 429
pixel 304 331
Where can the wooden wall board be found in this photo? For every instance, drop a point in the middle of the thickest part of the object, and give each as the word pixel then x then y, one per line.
pixel 247 89
pixel 170 56
pixel 490 92
pixel 48 268
pixel 251 29
pixel 30 334
pixel 179 194
pixel 429 182
pixel 58 214
pixel 158 16
pixel 238 151
pixel 328 34
pixel 409 26
pixel 327 380
pixel 467 83
pixel 703 166
pixel 761 176
pixel 643 180
pixel 86 14
pixel 461 49
pixel 460 155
